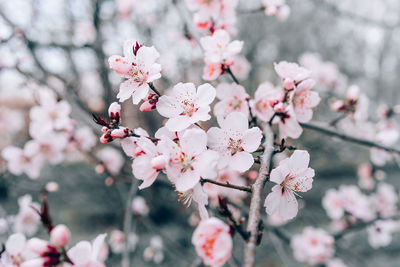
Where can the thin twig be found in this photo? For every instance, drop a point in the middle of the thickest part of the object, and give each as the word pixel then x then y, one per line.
pixel 348 138
pixel 228 185
pixel 255 204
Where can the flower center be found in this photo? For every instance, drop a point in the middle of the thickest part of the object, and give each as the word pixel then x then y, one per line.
pixel 235 146
pixel 236 103
pixel 189 108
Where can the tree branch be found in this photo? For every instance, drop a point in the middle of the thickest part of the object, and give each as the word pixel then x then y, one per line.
pixel 348 138
pixel 255 204
pixel 228 185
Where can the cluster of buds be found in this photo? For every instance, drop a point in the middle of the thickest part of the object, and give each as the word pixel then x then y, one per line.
pixel 349 104
pixel 112 130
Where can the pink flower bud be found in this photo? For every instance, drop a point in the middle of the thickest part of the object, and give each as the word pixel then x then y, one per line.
pixel 105 138
pixel 104 129
pixel 353 93
pixel 158 162
pixel 60 235
pixel 147 106
pixel 52 187
pixel 288 84
pixel 252 174
pixel 279 107
pixel 337 105
pixel 120 133
pixel 114 110
pixel 37 245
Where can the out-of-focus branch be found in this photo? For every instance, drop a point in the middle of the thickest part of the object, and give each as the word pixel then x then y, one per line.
pixel 128 223
pixel 348 138
pixel 255 205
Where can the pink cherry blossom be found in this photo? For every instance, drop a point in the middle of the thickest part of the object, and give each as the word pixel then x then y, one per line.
pixel 233 97
pixel 85 138
pixel 235 142
pixel 16 251
pixel 139 206
pixel 129 145
pixel 313 246
pixel 332 203
pixel 189 160
pixel 49 147
pixel 111 159
pixel 356 203
pixel 241 67
pixel 140 68
pixel 87 254
pixel 265 98
pixel 147 165
pixel 291 176
pixel 27 220
pixel 304 100
pixel 186 105
pixel 365 179
pixel 22 161
pixel 287 121
pixel 291 74
pixel 380 233
pixel 219 48
pixel 386 200
pixel 212 71
pixel 213 242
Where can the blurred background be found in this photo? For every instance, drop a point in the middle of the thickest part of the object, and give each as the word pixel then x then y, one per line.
pixel 64 45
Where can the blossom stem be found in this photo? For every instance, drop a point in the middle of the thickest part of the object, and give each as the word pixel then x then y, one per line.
pixel 351 139
pixel 237 187
pixel 255 204
pixel 228 70
pixel 154 89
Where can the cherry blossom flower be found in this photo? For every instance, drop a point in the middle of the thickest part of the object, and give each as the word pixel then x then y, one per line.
pixel 27 220
pixel 139 206
pixel 140 68
pixel 332 203
pixel 287 122
pixel 117 241
pixel 313 246
pixel 49 147
pixel 198 195
pixel 292 74
pixel 386 200
pixel 129 144
pixel 87 254
pixel 148 163
pixel 16 251
pixel 356 203
pixel 186 105
pixel 60 235
pixel 291 176
pixel 219 48
pixel 233 97
pixel 22 161
pixel 111 159
pixel 266 96
pixel 85 138
pixel 212 71
pixel 189 160
pixel 213 242
pixel 380 233
pixel 304 100
pixel 235 141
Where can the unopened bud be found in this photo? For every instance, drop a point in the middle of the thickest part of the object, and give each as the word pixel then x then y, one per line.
pixel 288 84
pixel 37 245
pixel 337 105
pixel 60 235
pixel 120 133
pixel 114 111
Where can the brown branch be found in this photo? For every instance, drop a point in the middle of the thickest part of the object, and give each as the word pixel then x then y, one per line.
pixel 255 204
pixel 228 185
pixel 348 138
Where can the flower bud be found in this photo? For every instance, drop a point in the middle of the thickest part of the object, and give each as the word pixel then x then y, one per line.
pixel 158 163
pixel 337 105
pixel 147 106
pixel 120 133
pixel 105 138
pixel 114 111
pixel 104 129
pixel 288 84
pixel 280 107
pixel 60 235
pixel 353 93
